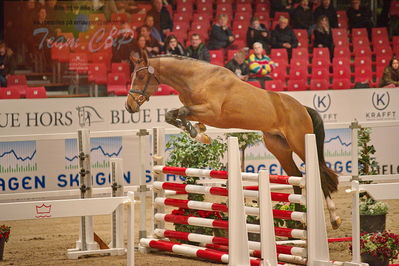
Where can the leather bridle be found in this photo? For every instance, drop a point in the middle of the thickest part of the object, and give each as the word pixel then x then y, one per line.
pixel 140 96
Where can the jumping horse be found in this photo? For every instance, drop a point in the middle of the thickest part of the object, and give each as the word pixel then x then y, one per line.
pixel 215 96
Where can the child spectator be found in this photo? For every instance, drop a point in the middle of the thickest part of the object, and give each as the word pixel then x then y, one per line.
pixel 323 35
pixel 173 47
pixel 260 65
pixel 221 35
pixel 390 78
pixel 238 65
pixel 258 32
pixel 327 9
pixel 197 49
pixel 283 36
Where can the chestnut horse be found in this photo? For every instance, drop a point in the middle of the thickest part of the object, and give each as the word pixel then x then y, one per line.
pixel 215 96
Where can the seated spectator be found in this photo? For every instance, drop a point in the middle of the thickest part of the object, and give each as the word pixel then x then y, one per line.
pixel 283 36
pixel 124 44
pixel 221 35
pixel 7 63
pixel 281 6
pixel 238 65
pixel 149 22
pixel 152 45
pixel 260 65
pixel 359 16
pixel 162 19
pixel 323 35
pixel 390 78
pixel 197 49
pixel 172 46
pixel 140 48
pixel 327 9
pixel 302 16
pixel 258 32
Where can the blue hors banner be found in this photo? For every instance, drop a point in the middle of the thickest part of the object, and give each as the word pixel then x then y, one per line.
pixel 38 145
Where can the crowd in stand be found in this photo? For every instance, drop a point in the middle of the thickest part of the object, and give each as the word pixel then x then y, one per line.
pixel 248 37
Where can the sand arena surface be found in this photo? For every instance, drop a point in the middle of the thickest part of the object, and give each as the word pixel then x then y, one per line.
pixel 44 242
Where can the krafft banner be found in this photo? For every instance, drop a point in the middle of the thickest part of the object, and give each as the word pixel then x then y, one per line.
pixel 41 164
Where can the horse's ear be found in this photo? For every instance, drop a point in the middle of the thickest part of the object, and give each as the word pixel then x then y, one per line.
pixel 145 58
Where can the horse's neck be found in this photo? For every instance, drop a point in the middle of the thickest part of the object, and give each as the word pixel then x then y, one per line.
pixel 175 73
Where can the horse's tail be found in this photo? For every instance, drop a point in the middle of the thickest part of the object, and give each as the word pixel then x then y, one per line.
pixel 329 179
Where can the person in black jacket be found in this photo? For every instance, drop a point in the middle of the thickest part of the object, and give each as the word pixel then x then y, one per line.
pixel 359 16
pixel 197 49
pixel 327 9
pixel 258 32
pixel 238 66
pixel 323 35
pixel 221 35
pixel 302 16
pixel 7 63
pixel 283 36
pixel 162 19
pixel 173 46
pixel 281 6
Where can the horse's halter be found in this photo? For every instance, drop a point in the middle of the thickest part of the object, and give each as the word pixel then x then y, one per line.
pixel 142 96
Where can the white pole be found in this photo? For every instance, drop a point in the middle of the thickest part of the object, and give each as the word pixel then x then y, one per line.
pixel 318 252
pixel 267 234
pixel 116 170
pixel 158 158
pixel 142 182
pixel 238 234
pixel 130 230
pixel 355 195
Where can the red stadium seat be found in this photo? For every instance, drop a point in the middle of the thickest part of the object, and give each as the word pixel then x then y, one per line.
pixel 36 92
pixel 19 82
pixel 9 93
pixel 364 74
pixel 297 85
pixel 341 84
pixel 320 73
pixel 342 52
pixel 359 32
pixel 262 8
pixel 321 53
pixel 206 7
pixel 78 62
pixel 98 73
pixel 383 50
pixel 321 62
pixel 182 17
pixel 137 18
pixel 202 17
pixel 319 84
pixel 242 16
pixel 274 85
pixel 364 51
pixel 362 61
pixel 280 73
pixel 297 73
pixel 246 8
pixel 342 72
pixel 240 25
pixel 382 60
pixel 117 84
pixel 300 54
pixel 360 41
pixel 119 18
pixel 121 68
pixel 217 57
pixel 255 83
pixel 185 8
pixel 279 55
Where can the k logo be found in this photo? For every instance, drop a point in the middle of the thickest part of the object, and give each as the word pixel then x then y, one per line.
pixel 322 102
pixel 380 100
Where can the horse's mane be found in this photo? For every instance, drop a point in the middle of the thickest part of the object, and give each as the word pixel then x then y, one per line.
pixel 180 57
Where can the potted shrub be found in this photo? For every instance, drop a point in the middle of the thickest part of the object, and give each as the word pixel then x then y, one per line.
pixel 372 213
pixel 379 248
pixel 4 235
pixel 186 152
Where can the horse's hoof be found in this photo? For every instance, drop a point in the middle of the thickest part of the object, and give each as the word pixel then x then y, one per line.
pixel 200 127
pixel 203 138
pixel 337 223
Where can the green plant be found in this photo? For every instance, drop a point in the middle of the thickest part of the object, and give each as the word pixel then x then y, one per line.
pixel 186 152
pixel 384 245
pixel 245 140
pixel 368 166
pixel 5 232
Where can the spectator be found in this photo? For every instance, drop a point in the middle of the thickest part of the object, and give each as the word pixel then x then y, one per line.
pixel 7 63
pixel 221 35
pixel 140 48
pixel 284 37
pixel 152 45
pixel 197 49
pixel 302 16
pixel 162 19
pixel 258 32
pixel 124 44
pixel 323 35
pixel 238 65
pixel 327 9
pixel 260 65
pixel 149 22
pixel 359 16
pixel 172 46
pixel 281 6
pixel 390 78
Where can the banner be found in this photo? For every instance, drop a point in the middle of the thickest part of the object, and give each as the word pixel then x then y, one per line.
pixel 50 163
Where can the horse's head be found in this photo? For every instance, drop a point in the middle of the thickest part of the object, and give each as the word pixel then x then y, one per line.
pixel 144 83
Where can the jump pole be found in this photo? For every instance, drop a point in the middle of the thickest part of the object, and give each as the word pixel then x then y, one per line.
pixel 116 171
pixel 142 134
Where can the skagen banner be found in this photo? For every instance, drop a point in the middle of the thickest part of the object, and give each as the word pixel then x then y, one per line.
pixel 42 164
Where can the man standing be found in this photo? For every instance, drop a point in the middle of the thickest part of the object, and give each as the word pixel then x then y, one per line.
pixel 162 20
pixel 221 35
pixel 197 49
pixel 327 9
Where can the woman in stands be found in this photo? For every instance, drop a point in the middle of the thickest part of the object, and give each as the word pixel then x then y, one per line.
pixel 258 32
pixel 390 78
pixel 323 35
pixel 7 63
pixel 172 46
pixel 152 45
